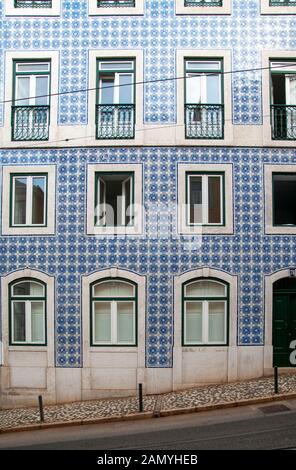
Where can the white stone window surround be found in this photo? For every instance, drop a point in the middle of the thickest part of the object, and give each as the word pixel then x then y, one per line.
pixel 227 88
pixel 5 132
pixel 268 195
pixel 10 10
pixel 206 10
pixel 49 229
pixel 185 229
pixel 266 9
pixel 136 169
pixel 50 307
pixel 231 349
pixel 94 10
pixel 91 351
pixel 139 99
pixel 267 55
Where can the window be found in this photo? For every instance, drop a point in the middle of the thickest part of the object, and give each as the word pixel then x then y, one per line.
pixel 27 312
pixel 116 7
pixel 282 3
pixel 113 313
pixel 204 111
pixel 205 199
pixel 203 7
pixel 30 110
pixel 29 198
pixel 115 3
pixel 278 7
pixel 114 201
pixel 283 99
pixel 203 3
pixel 205 307
pixel 115 117
pixel 32 3
pixel 284 199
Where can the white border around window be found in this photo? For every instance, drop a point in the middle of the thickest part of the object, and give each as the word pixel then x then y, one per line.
pixel 198 10
pixel 268 195
pixel 266 9
pixel 227 86
pixel 94 10
pixel 10 10
pixel 5 132
pixel 185 229
pixel 51 183
pixel 137 228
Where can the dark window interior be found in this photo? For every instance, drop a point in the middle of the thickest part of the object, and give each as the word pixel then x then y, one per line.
pixel 287 283
pixel 284 199
pixel 278 88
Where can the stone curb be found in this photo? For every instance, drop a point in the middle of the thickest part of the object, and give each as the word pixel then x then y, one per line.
pixel 150 414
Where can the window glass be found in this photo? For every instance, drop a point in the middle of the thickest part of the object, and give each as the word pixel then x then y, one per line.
pixel 28 288
pixel 19 321
pixel 214 197
pixel 38 200
pixel 284 199
pixel 20 201
pixel 216 322
pixel 193 322
pixel 102 327
pixel 113 289
pixel 205 289
pixel 125 322
pixel 37 322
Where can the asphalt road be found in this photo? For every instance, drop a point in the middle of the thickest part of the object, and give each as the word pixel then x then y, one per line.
pixel 249 427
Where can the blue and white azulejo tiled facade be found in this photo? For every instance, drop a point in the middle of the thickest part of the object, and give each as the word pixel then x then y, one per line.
pixel 247 256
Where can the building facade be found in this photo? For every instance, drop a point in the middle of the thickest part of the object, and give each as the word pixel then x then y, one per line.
pixel 148 181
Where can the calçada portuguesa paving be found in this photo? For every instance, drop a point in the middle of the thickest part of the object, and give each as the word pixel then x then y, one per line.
pixel 203 396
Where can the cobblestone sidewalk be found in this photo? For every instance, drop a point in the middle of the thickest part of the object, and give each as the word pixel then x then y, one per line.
pixel 201 396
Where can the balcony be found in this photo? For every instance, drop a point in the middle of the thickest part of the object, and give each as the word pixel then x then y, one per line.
pixel 115 121
pixel 32 3
pixel 115 3
pixel 30 122
pixel 283 122
pixel 203 3
pixel 204 121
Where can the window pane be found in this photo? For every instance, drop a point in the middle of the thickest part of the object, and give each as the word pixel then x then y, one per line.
pixel 20 199
pixel 195 199
pixel 203 65
pixel 23 91
pixel 217 321
pixel 102 319
pixel 214 216
pixel 37 322
pixel 193 322
pixel 33 67
pixel 42 91
pixel 193 89
pixel 107 90
pixel 113 289
pixel 125 89
pixel 28 288
pixel 213 89
pixel 19 321
pixel 284 199
pixel 38 200
pixel 205 289
pixel 125 322
pixel 116 65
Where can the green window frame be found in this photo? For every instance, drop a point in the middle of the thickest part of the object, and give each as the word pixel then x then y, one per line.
pixel 27 312
pixel 203 3
pixel 111 212
pixel 204 98
pixel 280 216
pixel 32 3
pixel 113 312
pixel 116 98
pixel 27 200
pixel 205 316
pixel 207 201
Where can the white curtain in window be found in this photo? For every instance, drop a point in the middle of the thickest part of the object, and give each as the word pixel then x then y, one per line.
pixel 205 289
pixel 113 289
pixel 125 322
pixel 217 321
pixel 102 323
pixel 19 321
pixel 193 323
pixel 37 322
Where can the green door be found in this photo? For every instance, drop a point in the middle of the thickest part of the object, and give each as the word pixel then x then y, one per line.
pixel 284 321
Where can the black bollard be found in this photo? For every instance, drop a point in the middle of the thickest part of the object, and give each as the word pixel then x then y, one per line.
pixel 140 398
pixel 41 412
pixel 276 380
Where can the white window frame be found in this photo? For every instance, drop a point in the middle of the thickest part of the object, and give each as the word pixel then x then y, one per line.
pixel 137 227
pixel 123 213
pixel 114 323
pixel 49 228
pixel 29 200
pixel 266 9
pixel 205 322
pixel 33 83
pixel 28 322
pixel 10 10
pixel 94 10
pixel 269 170
pixel 181 9
pixel 205 198
pixel 227 202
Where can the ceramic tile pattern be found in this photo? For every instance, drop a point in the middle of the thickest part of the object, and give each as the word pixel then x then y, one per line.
pixel 68 255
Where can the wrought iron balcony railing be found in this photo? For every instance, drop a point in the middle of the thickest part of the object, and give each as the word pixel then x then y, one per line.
pixel 282 3
pixel 115 121
pixel 283 122
pixel 32 3
pixel 115 3
pixel 30 122
pixel 203 3
pixel 204 121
